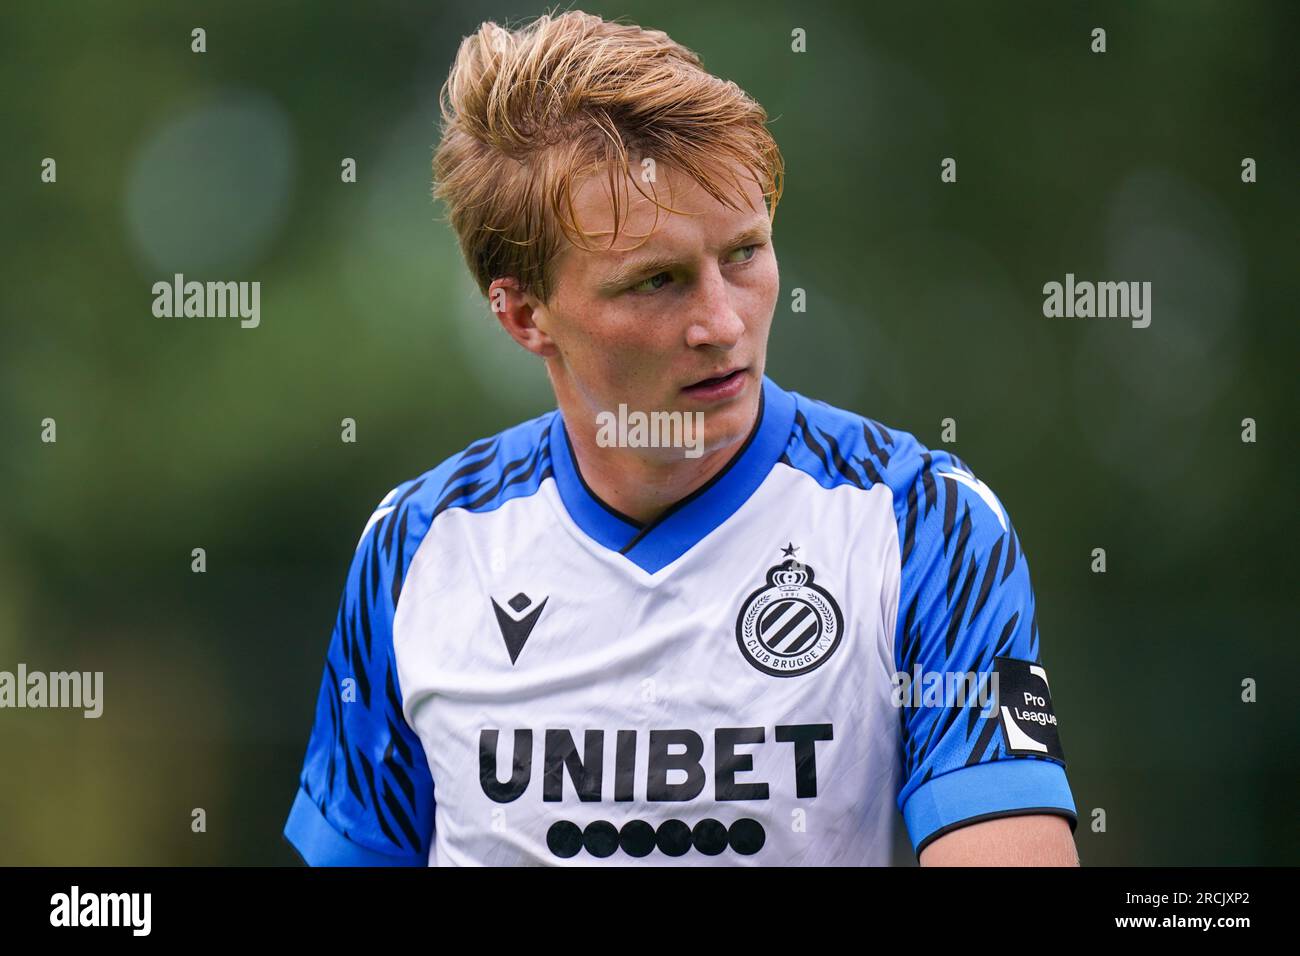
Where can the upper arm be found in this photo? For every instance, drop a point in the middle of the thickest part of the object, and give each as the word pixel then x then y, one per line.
pixel 966 619
pixel 365 795
pixel 1031 840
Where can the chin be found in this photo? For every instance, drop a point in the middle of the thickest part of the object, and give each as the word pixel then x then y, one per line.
pixel 725 428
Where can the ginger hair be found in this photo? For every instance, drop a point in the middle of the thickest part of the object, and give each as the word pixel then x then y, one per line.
pixel 528 112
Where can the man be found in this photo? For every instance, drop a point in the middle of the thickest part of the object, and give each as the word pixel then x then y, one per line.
pixel 575 644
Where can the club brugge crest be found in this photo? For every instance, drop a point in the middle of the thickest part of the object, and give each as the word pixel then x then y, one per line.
pixel 792 625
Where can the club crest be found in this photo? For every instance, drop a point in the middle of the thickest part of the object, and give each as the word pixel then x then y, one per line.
pixel 791 625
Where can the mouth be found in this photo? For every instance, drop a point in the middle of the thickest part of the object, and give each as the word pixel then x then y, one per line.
pixel 719 386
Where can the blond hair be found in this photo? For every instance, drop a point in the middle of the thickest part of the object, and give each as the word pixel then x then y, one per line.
pixel 526 112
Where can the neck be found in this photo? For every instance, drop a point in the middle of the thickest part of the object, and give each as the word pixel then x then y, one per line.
pixel 638 485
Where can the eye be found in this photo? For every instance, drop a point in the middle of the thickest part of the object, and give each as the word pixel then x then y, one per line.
pixel 640 286
pixel 649 285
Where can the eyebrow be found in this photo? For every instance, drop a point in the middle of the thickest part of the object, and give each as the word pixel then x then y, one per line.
pixel 756 232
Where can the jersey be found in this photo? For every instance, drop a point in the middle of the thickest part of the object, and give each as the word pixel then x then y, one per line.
pixel 520 674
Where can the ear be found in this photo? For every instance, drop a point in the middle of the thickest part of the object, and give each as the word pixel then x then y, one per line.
pixel 525 317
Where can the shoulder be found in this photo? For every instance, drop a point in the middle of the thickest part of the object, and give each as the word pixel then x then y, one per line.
pixel 930 487
pixel 836 447
pixel 482 476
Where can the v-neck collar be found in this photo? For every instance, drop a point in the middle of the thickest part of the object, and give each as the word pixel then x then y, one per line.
pixel 656 545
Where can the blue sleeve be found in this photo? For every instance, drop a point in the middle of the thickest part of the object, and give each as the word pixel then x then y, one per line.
pixel 979 741
pixel 365 795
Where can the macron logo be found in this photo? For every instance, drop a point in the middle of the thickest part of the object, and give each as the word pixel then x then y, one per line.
pixel 514 627
pixel 981 489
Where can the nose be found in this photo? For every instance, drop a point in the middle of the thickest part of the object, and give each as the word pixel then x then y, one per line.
pixel 714 320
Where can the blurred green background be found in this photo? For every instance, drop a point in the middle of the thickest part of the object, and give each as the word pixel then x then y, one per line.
pixel 924 302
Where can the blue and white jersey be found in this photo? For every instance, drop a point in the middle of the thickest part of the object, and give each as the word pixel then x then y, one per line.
pixel 520 674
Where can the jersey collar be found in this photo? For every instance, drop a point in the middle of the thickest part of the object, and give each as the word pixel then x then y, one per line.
pixel 654 546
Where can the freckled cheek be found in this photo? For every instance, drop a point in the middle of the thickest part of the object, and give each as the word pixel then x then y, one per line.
pixel 623 337
pixel 756 300
pixel 624 352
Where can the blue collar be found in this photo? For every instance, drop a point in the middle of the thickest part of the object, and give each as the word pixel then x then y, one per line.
pixel 656 545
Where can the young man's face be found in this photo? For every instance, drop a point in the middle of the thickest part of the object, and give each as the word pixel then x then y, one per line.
pixel 655 328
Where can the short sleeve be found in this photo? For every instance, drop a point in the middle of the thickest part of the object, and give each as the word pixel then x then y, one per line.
pixel 365 794
pixel 978 733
